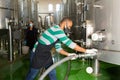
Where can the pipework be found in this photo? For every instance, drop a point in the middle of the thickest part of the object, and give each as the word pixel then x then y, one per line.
pixel 64 60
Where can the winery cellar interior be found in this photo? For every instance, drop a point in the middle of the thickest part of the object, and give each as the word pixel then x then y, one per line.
pixel 95 25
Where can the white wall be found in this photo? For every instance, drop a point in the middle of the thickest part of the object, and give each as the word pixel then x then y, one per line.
pixel 43 6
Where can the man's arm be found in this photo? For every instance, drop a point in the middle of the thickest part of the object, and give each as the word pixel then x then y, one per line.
pixel 63 52
pixel 68 42
pixel 60 50
pixel 80 49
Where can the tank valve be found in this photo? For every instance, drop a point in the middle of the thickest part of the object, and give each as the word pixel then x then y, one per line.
pixel 98 36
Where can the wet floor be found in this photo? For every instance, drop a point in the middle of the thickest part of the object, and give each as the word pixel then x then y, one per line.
pixel 71 70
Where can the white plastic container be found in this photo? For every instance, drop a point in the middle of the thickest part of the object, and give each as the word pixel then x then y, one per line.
pixel 25 49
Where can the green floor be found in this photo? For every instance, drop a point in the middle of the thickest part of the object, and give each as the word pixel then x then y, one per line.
pixel 19 68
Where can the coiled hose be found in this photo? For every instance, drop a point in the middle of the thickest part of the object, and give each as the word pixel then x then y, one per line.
pixel 54 66
pixel 62 61
pixel 68 70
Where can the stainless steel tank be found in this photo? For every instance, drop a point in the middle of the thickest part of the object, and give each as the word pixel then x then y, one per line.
pixel 27 10
pixel 6 11
pixel 49 20
pixel 14 14
pixel 104 15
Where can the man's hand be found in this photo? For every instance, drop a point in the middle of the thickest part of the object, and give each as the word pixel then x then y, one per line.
pixel 74 56
pixel 94 51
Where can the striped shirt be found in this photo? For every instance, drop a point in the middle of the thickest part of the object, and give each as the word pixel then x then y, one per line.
pixel 53 34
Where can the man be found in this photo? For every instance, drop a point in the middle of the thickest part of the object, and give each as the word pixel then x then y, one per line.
pixel 50 38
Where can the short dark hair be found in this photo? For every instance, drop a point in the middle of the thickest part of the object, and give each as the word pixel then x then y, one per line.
pixel 66 18
pixel 31 21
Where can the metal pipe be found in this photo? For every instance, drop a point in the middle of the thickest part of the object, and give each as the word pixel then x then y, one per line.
pixel 96 66
pixel 62 61
pixel 6 8
pixel 54 66
pixel 20 47
pixel 10 44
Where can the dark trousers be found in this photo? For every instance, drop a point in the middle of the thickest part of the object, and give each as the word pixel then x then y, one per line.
pixel 33 72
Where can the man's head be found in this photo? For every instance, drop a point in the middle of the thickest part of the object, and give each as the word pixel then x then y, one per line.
pixel 66 23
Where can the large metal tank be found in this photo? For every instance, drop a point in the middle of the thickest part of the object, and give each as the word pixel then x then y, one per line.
pixel 106 17
pixel 14 14
pixel 6 11
pixel 75 10
pixel 49 20
pixel 6 14
pixel 27 11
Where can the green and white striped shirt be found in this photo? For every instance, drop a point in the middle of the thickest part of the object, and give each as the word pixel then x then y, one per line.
pixel 53 34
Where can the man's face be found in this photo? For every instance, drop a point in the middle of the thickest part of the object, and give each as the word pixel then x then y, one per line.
pixel 69 24
pixel 67 27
